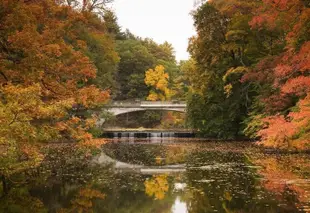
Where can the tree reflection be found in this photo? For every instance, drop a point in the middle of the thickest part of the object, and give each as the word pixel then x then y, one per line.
pixel 19 200
pixel 83 201
pixel 285 176
pixel 213 181
pixel 149 154
pixel 219 185
pixel 157 186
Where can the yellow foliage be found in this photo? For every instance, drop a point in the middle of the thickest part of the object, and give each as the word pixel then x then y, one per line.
pixel 24 109
pixel 228 89
pixel 157 78
pixel 153 96
pixel 159 81
pixel 157 186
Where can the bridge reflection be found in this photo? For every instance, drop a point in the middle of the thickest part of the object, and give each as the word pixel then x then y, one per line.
pixel 152 134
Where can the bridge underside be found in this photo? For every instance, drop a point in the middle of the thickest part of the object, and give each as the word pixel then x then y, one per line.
pixel 119 111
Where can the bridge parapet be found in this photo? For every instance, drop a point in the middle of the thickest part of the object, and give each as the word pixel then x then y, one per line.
pixel 147 104
pixel 121 107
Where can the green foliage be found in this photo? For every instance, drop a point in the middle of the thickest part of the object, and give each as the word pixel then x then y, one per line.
pixel 135 59
pixel 210 110
pixel 136 56
pixel 224 51
pixel 112 26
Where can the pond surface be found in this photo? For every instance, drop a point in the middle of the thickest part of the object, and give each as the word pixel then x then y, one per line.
pixel 174 176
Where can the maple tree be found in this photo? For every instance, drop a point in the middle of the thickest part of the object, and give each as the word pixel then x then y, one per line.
pixel 276 170
pixel 46 77
pixel 289 70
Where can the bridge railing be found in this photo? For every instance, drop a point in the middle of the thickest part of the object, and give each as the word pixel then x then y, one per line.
pixel 146 103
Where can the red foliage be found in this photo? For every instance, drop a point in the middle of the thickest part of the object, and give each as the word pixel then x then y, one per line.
pixel 263 71
pixel 282 70
pixel 276 103
pixel 298 86
pixel 279 131
pixel 287 72
pixel 275 12
pixel 263 20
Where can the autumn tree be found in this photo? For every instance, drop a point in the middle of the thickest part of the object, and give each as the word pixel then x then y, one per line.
pixel 46 75
pixel 285 93
pixel 158 80
pixel 138 55
pixel 96 6
pixel 252 61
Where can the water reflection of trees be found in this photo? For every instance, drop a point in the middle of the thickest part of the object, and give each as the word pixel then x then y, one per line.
pixel 230 188
pixel 223 181
pixel 52 184
pixel 149 154
pixel 286 176
pixel 157 186
pixel 19 200
pixel 84 201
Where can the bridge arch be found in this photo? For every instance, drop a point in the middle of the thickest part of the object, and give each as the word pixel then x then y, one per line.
pixel 118 108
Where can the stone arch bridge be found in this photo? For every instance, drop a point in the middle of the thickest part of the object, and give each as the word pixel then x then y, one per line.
pixel 118 108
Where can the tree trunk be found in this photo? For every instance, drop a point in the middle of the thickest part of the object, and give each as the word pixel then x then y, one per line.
pixel 4 185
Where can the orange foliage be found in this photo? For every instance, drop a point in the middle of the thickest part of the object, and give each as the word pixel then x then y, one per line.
pixel 273 12
pixel 279 175
pixel 172 120
pixel 93 143
pixel 43 75
pixel 287 72
pixel 281 131
pixel 298 86
pixel 45 78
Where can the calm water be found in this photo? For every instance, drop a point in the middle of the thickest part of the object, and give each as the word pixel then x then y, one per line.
pixel 174 176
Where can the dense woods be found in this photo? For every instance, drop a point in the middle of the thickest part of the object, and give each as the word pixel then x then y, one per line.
pixel 247 78
pixel 56 62
pixel 249 72
pixel 60 61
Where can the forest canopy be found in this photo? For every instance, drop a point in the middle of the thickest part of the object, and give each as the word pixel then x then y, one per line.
pixel 60 62
pixel 251 71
